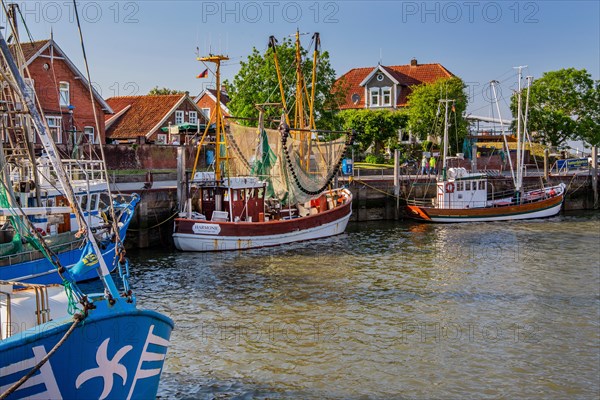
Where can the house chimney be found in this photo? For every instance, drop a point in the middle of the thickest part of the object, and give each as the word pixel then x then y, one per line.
pixel 223 89
pixel 413 62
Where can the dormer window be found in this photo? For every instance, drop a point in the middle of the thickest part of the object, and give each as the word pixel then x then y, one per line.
pixel 374 96
pixel 386 96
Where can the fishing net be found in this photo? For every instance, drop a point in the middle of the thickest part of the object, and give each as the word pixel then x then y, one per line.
pixel 296 165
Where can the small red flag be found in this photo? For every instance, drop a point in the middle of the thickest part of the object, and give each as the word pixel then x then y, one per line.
pixel 203 74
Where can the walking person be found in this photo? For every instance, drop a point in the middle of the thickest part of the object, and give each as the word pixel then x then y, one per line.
pixel 432 166
pixel 424 166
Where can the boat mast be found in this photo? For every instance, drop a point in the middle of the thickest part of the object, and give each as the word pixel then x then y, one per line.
pixel 221 156
pixel 18 85
pixel 299 120
pixel 313 88
pixel 272 44
pixel 512 171
pixel 445 140
pixel 519 182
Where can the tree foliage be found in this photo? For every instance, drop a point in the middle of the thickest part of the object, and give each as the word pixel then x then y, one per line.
pixel 257 82
pixel 563 104
pixel 161 91
pixel 374 127
pixel 426 113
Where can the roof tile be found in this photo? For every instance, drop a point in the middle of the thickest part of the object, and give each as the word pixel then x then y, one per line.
pixel 406 75
pixel 143 115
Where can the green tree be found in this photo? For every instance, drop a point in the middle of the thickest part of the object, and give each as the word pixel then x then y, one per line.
pixel 257 82
pixel 160 91
pixel 426 113
pixel 374 127
pixel 563 104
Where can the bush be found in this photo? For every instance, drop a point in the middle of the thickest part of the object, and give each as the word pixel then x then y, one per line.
pixel 375 159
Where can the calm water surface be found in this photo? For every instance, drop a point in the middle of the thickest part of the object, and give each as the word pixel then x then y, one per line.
pixel 387 310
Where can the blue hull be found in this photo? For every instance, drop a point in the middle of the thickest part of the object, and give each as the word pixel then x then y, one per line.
pixel 42 271
pixel 117 352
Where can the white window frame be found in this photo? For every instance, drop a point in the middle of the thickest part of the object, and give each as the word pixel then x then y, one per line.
pixel 374 92
pixel 55 125
pixel 206 112
pixel 90 133
pixel 179 117
pixel 64 94
pixel 161 138
pixel 193 117
pixel 386 91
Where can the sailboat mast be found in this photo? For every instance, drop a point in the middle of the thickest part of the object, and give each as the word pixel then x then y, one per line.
pixel 445 160
pixel 221 155
pixel 519 181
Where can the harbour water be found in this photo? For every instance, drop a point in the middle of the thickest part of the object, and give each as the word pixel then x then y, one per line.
pixel 387 310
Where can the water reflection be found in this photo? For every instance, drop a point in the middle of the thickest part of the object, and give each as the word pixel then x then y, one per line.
pixel 386 310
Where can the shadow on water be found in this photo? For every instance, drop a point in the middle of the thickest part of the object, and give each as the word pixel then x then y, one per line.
pixel 386 310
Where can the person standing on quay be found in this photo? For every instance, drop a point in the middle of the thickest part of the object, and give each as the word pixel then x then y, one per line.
pixel 424 166
pixel 432 169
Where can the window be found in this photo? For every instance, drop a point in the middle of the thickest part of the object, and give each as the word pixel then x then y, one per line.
pixel 206 112
pixel 88 133
pixel 64 96
pixel 374 96
pixel 386 95
pixel 193 117
pixel 161 139
pixel 178 117
pixel 55 125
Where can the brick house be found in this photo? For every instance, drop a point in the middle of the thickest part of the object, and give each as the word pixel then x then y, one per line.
pixel 386 87
pixel 160 119
pixel 63 93
pixel 207 100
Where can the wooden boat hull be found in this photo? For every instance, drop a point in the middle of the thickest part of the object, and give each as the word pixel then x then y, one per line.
pixel 539 209
pixel 201 235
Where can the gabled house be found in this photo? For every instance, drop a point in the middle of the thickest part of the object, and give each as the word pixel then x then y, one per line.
pixel 388 87
pixel 160 119
pixel 63 93
pixel 207 100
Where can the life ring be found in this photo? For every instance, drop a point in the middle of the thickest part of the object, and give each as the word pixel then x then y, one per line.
pixel 41 231
pixel 449 187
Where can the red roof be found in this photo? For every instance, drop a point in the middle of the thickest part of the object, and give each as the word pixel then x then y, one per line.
pixel 31 48
pixel 142 116
pixel 406 75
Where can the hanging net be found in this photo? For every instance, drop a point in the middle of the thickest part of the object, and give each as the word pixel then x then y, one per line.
pixel 296 165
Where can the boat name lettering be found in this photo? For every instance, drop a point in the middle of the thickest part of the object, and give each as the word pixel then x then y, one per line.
pixel 207 229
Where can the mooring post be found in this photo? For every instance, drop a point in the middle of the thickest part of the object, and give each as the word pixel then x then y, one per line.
pixel 181 181
pixel 595 175
pixel 397 182
pixel 546 172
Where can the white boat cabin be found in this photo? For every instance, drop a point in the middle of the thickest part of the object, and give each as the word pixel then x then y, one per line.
pixel 462 190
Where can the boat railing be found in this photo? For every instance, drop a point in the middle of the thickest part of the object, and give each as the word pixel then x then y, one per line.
pixel 42 305
pixel 32 255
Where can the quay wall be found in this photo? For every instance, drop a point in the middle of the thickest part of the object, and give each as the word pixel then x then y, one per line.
pixel 373 200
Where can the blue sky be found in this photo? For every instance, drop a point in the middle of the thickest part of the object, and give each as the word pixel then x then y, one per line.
pixel 136 45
